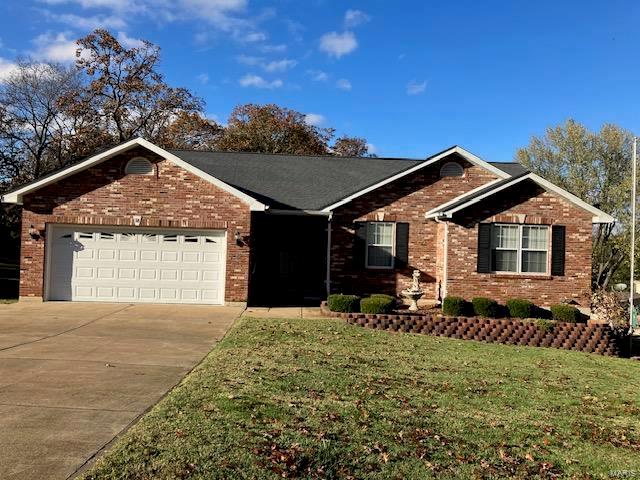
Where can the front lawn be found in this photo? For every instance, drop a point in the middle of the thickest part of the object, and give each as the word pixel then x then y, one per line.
pixel 322 399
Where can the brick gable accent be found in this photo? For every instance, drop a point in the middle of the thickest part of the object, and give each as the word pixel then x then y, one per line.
pixel 407 200
pixel 104 195
pixel 404 200
pixel 528 204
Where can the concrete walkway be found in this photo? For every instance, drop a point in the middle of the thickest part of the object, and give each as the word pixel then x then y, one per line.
pixel 283 312
pixel 74 375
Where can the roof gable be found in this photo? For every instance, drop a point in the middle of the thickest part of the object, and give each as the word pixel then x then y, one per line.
pixel 448 209
pixel 471 158
pixel 15 196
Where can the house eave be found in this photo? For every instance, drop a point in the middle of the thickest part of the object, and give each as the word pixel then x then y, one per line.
pixel 16 196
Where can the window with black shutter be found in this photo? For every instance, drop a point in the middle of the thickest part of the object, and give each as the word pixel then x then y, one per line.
pixel 402 245
pixel 558 233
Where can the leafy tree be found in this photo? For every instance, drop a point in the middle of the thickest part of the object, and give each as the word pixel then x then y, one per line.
pixel 595 166
pixel 190 131
pixel 125 93
pixel 350 147
pixel 272 129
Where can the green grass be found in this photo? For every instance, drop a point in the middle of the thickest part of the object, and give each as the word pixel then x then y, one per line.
pixel 8 300
pixel 322 399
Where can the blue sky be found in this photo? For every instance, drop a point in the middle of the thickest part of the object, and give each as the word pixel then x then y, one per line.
pixel 412 77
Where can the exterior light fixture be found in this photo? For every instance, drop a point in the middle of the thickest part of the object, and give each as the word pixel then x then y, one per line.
pixel 238 239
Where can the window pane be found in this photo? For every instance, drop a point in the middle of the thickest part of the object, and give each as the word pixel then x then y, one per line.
pixel 535 262
pixel 380 234
pixel 505 236
pixel 379 256
pixel 534 237
pixel 505 261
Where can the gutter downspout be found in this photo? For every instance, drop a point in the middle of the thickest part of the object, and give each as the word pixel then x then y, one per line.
pixel 328 278
pixel 445 260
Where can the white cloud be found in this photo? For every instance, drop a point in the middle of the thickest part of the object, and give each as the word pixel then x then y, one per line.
pixel 280 65
pixel 129 42
pixel 272 48
pixel 371 148
pixel 353 18
pixel 203 78
pixel 314 119
pixel 253 37
pixel 318 75
pixel 338 44
pixel 54 47
pixel 250 60
pixel 88 22
pixel 257 81
pixel 227 15
pixel 6 68
pixel 415 88
pixel 343 84
pixel 272 66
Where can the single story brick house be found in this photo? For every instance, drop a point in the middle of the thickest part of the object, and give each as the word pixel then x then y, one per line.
pixel 137 223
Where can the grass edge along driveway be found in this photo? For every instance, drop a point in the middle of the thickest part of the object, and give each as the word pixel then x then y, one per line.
pixel 323 399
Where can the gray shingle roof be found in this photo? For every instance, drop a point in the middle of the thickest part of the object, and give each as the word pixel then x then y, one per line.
pixel 304 182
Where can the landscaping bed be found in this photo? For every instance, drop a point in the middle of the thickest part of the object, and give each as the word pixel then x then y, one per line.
pixel 324 399
pixel 534 333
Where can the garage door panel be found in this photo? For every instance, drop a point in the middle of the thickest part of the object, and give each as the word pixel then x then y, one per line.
pixel 140 266
pixel 127 255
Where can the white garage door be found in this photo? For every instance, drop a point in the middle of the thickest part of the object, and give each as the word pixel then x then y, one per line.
pixel 125 265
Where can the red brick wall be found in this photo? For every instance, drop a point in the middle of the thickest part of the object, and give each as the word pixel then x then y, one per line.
pixel 525 204
pixel 405 200
pixel 104 195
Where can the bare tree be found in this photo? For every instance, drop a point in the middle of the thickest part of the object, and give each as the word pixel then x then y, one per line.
pixel 125 92
pixel 34 129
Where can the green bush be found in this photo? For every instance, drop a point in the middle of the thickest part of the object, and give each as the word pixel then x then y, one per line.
pixel 377 304
pixel 520 308
pixel 385 296
pixel 566 313
pixel 343 303
pixel 455 307
pixel 485 307
pixel 545 325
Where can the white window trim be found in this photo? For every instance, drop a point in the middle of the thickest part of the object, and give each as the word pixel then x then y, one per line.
pixel 520 249
pixel 393 248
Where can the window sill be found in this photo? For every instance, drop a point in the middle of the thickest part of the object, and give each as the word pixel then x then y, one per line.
pixel 521 276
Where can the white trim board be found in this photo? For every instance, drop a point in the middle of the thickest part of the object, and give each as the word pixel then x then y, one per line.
pixel 16 195
pixel 442 212
pixel 470 157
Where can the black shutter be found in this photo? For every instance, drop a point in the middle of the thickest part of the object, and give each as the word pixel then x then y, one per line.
pixel 359 244
pixel 557 250
pixel 402 245
pixel 484 248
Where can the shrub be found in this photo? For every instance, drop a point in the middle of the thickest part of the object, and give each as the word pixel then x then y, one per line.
pixel 545 325
pixel 377 304
pixel 566 313
pixel 520 308
pixel 343 303
pixel 485 307
pixel 455 307
pixel 391 298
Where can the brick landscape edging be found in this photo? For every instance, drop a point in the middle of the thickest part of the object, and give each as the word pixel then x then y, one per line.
pixel 569 336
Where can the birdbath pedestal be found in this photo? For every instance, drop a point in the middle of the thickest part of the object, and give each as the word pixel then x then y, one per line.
pixel 414 293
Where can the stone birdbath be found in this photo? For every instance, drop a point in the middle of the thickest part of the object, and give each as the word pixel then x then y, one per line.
pixel 415 292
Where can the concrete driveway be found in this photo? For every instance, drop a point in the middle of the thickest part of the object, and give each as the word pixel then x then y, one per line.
pixel 74 375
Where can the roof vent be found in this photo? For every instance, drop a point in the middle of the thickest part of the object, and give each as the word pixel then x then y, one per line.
pixel 452 169
pixel 139 166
